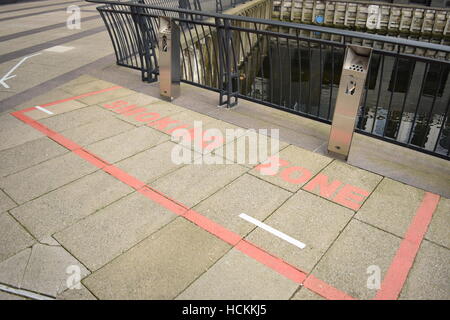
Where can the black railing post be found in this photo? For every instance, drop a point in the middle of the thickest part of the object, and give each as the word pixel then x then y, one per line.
pixel 228 79
pixel 146 45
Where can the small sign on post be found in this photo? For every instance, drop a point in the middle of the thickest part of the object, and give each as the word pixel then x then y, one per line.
pixel 351 88
pixel 169 58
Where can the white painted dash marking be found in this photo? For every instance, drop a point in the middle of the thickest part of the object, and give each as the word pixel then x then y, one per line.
pixel 44 110
pixel 273 231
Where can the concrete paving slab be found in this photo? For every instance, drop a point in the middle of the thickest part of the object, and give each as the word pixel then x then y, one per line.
pixel 238 277
pixel 245 149
pixel 65 206
pixel 401 164
pixel 76 118
pixel 137 99
pixel 55 109
pixel 127 144
pixel 28 154
pixel 6 202
pixel 248 195
pixel 50 269
pixel 13 269
pixel 127 221
pixel 85 78
pixel 78 89
pixel 97 131
pixel 13 237
pixel 297 157
pixel 76 294
pixel 196 182
pixel 306 294
pixel 308 218
pixel 152 163
pixel 14 132
pixel 438 230
pixel 47 176
pixel 429 278
pixel 391 207
pixel 358 247
pixel 188 117
pixel 353 185
pixel 161 266
pixel 46 97
pixel 155 109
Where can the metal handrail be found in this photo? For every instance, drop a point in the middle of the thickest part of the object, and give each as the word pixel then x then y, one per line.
pixel 306 27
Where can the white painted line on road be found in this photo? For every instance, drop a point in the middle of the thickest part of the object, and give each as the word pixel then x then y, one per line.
pixel 273 231
pixel 59 49
pixel 7 76
pixel 44 110
pixel 24 293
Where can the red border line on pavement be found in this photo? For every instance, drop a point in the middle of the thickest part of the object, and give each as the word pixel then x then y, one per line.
pixel 203 222
pixel 325 290
pixel 398 271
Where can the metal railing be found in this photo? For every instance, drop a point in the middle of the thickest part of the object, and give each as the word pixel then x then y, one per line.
pixel 296 68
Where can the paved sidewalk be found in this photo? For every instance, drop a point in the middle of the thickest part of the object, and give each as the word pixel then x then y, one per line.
pixel 89 192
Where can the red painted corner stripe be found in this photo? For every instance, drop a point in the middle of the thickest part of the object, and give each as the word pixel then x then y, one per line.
pixel 398 271
pixel 163 201
pixel 325 290
pixel 124 177
pixel 90 158
pixel 212 227
pixel 272 262
pixel 80 96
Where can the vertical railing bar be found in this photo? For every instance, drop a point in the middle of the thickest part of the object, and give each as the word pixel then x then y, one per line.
pixel 331 83
pixel 207 49
pixel 201 54
pixel 380 84
pixel 308 108
pixel 432 106
pixel 183 31
pixel 320 79
pixel 290 73
pixel 442 127
pixel 392 94
pixel 215 48
pixel 103 14
pixel 418 102
pixel 270 68
pixel 411 73
pixel 363 109
pixel 280 72
pixel 299 71
pixel 193 46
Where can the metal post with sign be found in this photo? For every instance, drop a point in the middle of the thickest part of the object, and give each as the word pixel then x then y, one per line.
pixel 351 88
pixel 169 58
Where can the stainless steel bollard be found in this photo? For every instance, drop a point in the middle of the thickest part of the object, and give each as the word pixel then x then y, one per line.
pixel 169 58
pixel 351 87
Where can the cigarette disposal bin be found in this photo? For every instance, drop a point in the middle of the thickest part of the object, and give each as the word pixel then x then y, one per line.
pixel 169 58
pixel 353 77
